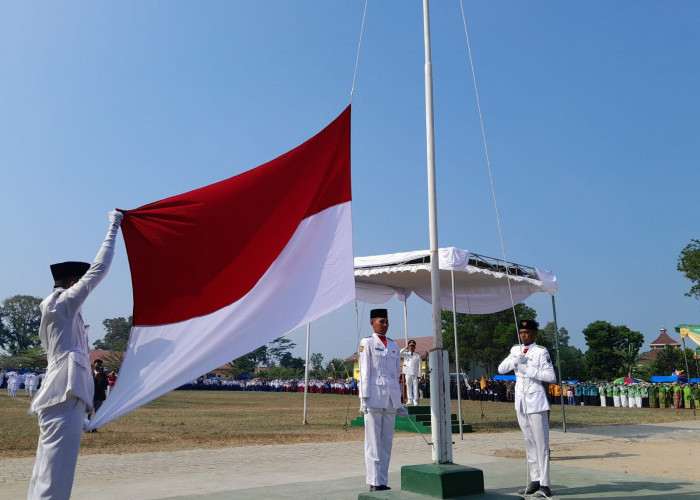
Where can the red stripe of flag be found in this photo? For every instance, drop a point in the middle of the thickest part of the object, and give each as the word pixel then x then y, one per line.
pixel 194 253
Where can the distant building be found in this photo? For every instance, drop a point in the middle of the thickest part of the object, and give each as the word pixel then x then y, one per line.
pixel 658 345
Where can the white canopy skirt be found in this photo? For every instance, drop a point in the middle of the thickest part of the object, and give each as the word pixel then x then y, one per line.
pixel 482 285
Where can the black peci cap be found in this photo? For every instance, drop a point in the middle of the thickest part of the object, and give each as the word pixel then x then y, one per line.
pixel 378 313
pixel 528 324
pixel 65 270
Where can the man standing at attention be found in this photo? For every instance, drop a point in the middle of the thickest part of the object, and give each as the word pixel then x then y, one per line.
pixel 532 366
pixel 67 390
pixel 412 370
pixel 380 398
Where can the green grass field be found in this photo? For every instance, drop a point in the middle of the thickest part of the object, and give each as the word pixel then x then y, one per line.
pixel 210 419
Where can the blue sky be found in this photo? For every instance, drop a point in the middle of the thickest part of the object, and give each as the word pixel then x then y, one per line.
pixel 591 113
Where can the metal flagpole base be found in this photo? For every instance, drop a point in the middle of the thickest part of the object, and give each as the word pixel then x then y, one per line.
pixel 442 480
pixel 427 481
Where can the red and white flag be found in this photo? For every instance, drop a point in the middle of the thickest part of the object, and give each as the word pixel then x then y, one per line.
pixel 221 270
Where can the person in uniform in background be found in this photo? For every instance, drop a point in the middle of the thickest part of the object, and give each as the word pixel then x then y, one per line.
pixel 412 364
pixel 686 396
pixel 663 392
pixel 652 395
pixel 31 381
pixel 14 381
pixel 67 389
pixel 380 398
pixel 100 394
pixel 601 391
pixel 532 366
pixel 111 380
pixel 623 395
pixel 695 391
pixel 676 390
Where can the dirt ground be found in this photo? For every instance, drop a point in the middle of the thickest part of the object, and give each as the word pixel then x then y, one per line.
pixel 674 452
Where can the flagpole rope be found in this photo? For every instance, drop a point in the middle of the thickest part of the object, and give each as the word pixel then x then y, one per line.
pixel 357 57
pixel 488 164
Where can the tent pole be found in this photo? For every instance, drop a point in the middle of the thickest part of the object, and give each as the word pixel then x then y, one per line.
pixel 561 382
pixel 306 369
pixel 687 374
pixel 405 322
pixel 439 406
pixel 459 385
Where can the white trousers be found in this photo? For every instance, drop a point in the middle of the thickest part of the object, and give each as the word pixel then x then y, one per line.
pixel 60 430
pixel 602 400
pixel 379 436
pixel 412 389
pixel 623 400
pixel 535 427
pixel 638 399
pixel 616 401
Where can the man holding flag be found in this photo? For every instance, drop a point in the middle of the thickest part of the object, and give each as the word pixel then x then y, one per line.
pixel 67 390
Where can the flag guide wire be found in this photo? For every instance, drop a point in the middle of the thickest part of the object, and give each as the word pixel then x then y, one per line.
pixel 357 57
pixel 488 164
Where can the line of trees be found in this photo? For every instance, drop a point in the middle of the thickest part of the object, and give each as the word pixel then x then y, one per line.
pixel 279 363
pixel 613 350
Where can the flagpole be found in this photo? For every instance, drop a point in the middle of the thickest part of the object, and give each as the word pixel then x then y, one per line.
pixel 439 403
pixel 405 323
pixel 561 382
pixel 459 385
pixel 306 369
pixel 687 374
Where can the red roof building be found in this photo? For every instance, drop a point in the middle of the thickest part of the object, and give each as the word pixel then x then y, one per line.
pixel 658 345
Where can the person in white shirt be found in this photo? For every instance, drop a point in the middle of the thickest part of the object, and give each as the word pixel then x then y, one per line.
pixel 532 366
pixel 14 381
pixel 30 383
pixel 412 367
pixel 67 390
pixel 380 398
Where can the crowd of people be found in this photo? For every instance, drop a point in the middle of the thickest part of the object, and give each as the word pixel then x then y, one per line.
pixel 629 394
pixel 17 379
pixel 623 395
pixel 316 386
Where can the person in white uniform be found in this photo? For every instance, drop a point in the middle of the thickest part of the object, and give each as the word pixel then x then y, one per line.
pixel 67 389
pixel 14 381
pixel 532 366
pixel 30 383
pixel 380 398
pixel 412 365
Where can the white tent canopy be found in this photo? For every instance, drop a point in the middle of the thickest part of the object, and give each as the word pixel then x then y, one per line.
pixel 481 283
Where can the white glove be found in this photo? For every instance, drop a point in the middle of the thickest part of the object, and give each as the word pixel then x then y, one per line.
pixel 363 405
pixel 115 217
pixel 518 359
pixel 522 368
pixel 402 412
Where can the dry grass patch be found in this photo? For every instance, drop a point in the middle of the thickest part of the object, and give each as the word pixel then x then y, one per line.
pixel 210 419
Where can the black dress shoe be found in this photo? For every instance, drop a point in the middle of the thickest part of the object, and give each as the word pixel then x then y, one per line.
pixel 544 492
pixel 531 488
pixel 373 488
pixel 383 487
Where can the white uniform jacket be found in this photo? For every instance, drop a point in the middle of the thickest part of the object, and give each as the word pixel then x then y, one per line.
pixel 530 396
pixel 64 336
pixel 411 362
pixel 380 369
